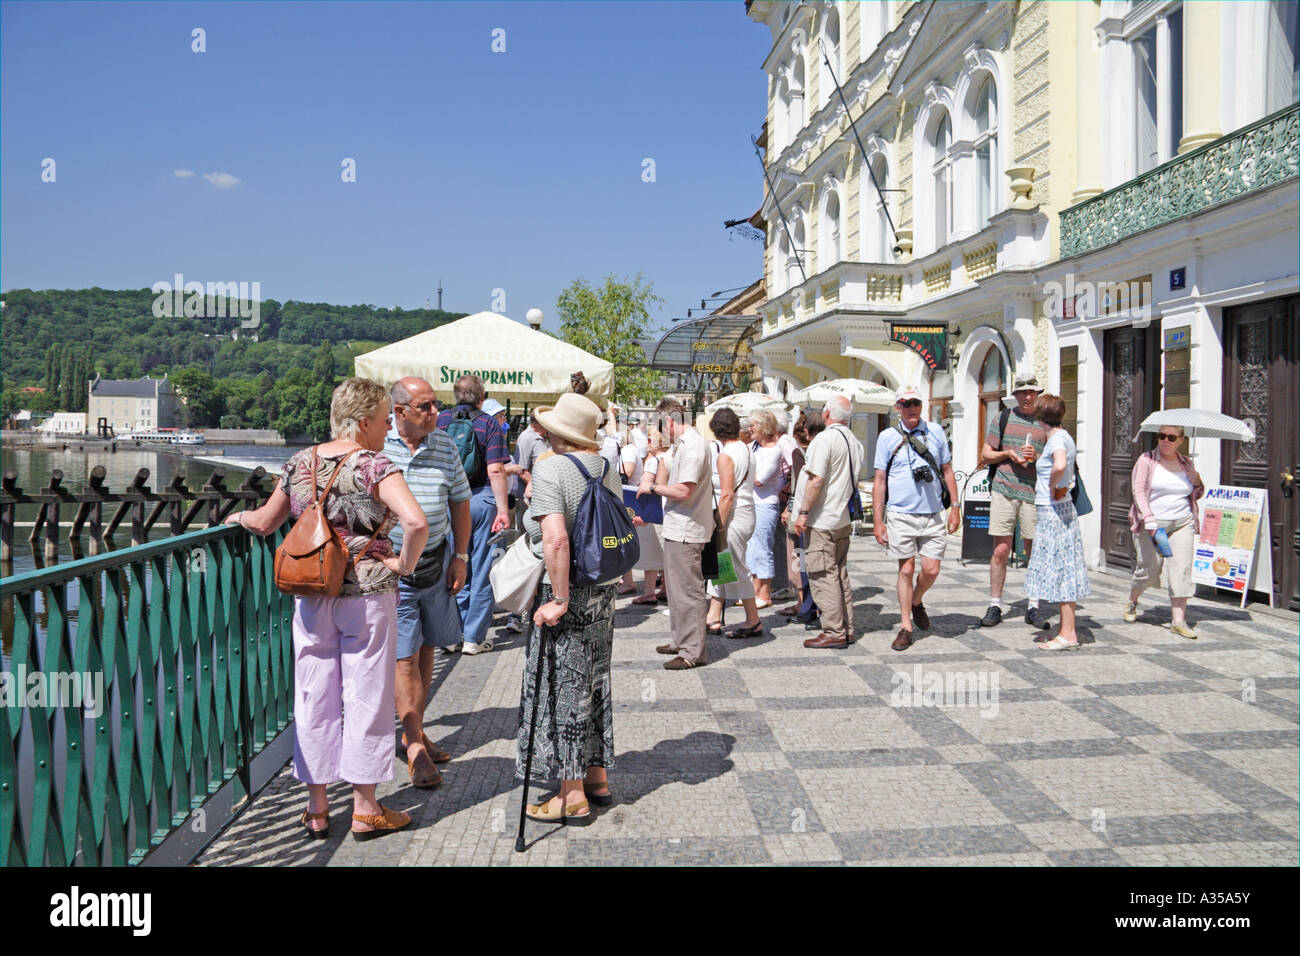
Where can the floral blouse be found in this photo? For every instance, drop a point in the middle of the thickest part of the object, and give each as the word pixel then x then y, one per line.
pixel 351 508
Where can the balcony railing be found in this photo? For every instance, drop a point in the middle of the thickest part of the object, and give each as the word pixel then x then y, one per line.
pixel 1252 158
pixel 139 683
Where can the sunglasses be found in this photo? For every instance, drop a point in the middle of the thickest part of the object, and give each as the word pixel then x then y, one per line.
pixel 910 403
pixel 425 407
pixel 1164 437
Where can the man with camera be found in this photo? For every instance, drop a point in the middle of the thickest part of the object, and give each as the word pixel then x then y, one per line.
pixel 914 482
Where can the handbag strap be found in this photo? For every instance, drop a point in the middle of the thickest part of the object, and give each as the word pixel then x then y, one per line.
pixel 330 484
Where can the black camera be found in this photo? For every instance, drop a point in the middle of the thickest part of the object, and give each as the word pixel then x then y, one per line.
pixel 922 474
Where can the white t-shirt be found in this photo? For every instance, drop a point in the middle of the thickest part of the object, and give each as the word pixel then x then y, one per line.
pixel 767 473
pixel 609 450
pixel 835 455
pixel 641 441
pixel 1170 494
pixel 742 471
pixel 630 456
pixel 1043 466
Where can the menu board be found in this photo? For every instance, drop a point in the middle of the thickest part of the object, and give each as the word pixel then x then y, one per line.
pixel 1228 552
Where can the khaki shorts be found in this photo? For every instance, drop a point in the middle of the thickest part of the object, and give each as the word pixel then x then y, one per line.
pixel 909 534
pixel 1004 511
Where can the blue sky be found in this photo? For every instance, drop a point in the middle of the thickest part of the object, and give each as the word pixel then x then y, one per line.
pixel 519 170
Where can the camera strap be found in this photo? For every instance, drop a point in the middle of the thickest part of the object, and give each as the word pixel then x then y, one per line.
pixel 919 446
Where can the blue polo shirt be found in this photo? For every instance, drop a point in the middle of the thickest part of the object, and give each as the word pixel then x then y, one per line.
pixel 435 477
pixel 906 495
pixel 490 438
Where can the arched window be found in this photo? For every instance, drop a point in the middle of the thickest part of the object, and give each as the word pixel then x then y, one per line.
pixel 794 101
pixel 986 152
pixel 793 276
pixel 831 36
pixel 779 267
pixel 873 20
pixel 993 386
pixel 942 174
pixel 830 246
pixel 877 240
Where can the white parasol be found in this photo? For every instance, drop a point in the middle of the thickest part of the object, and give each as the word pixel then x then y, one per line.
pixel 742 403
pixel 1199 423
pixel 866 396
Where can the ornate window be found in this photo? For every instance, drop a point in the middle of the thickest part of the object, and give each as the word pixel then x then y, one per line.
pixel 1282 79
pixel 877 241
pixel 831 36
pixel 986 152
pixel 993 386
pixel 873 21
pixel 830 248
pixel 1158 90
pixel 941 173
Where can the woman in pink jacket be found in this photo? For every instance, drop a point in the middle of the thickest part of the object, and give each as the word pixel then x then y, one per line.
pixel 1165 490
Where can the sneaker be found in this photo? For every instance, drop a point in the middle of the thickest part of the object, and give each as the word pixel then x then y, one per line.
pixel 1131 612
pixel 479 648
pixel 1036 620
pixel 992 616
pixel 1184 630
pixel 785 594
pixel 514 624
pixel 452 648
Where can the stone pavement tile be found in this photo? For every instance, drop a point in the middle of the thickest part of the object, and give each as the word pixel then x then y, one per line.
pixel 1037 721
pixel 1086 857
pixel 672 851
pixel 879 757
pixel 1241 788
pixel 1061 834
pixel 1210 854
pixel 1179 713
pixel 651 682
pixel 1159 743
pixel 1071 692
pixel 1279 707
pixel 951 844
pixel 897 798
pixel 1149 688
pixel 779 802
pixel 802 848
pixel 749 730
pixel 1090 669
pixel 732 704
pixel 1191 828
pixel 1181 664
pixel 1128 786
pixel 1257 664
pixel 935 726
pixel 1280 768
pixel 720 683
pixel 1113 718
pixel 831 679
pixel 1240 739
pixel 1055 749
pixel 1035 671
pixel 1005 788
pixel 978 859
pixel 772 704
pixel 747 761
pixel 651 806
pixel 1284 820
pixel 964 754
pixel 841 729
pixel 644 730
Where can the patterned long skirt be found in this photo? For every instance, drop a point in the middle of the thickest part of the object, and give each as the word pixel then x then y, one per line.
pixel 1057 571
pixel 575 722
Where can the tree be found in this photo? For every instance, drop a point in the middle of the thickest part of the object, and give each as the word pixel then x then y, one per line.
pixel 323 369
pixel 607 323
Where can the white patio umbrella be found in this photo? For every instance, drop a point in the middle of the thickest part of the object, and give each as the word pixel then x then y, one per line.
pixel 866 396
pixel 742 403
pixel 1199 423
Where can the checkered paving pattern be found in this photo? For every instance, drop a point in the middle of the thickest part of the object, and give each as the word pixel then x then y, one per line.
pixel 971 747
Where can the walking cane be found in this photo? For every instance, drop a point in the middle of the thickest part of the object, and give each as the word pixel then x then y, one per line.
pixel 540 630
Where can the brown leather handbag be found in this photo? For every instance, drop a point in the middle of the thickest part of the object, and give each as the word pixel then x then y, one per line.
pixel 312 558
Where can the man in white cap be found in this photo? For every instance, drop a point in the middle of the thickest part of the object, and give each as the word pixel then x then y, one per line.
pixel 1012 443
pixel 912 459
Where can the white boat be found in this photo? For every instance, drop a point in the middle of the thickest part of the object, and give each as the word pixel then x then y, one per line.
pixel 188 438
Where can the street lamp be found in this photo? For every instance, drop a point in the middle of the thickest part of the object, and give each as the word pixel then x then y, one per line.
pixel 534 317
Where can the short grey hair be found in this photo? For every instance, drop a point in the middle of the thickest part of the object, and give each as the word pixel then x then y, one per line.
pixel 468 390
pixel 839 407
pixel 400 395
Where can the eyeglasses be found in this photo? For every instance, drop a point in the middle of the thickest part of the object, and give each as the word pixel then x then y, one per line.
pixel 1164 437
pixel 425 407
pixel 910 403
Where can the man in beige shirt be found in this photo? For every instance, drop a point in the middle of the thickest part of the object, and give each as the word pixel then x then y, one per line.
pixel 834 460
pixel 687 491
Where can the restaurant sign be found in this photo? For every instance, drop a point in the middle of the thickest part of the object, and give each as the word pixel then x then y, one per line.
pixel 928 341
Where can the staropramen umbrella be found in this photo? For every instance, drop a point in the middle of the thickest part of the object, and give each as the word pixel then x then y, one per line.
pixel 742 403
pixel 866 396
pixel 1200 423
pixel 516 363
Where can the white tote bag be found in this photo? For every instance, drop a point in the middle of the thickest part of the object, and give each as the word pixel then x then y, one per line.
pixel 516 576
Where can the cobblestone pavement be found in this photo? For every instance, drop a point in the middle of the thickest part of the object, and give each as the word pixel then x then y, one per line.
pixel 1139 748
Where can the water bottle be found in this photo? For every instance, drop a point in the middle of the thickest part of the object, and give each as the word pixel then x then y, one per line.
pixel 1161 542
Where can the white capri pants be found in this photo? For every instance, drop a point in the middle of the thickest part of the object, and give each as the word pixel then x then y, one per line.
pixel 1182 541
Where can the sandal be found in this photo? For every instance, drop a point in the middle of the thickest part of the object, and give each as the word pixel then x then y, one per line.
pixel 624 589
pixel 1059 644
pixel 436 753
pixel 646 599
pixel 382 823
pixel 425 781
pixel 713 628
pixel 755 631
pixel 605 799
pixel 578 815
pixel 308 816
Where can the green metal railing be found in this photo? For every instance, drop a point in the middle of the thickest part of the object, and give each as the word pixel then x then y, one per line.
pixel 1248 160
pixel 188 648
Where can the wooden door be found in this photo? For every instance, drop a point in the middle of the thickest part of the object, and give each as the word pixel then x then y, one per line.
pixel 1261 382
pixel 1130 388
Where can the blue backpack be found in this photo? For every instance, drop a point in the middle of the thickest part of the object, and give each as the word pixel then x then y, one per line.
pixel 461 430
pixel 604 544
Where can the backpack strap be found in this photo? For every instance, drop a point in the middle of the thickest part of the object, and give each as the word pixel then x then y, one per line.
pixel 586 474
pixel 853 473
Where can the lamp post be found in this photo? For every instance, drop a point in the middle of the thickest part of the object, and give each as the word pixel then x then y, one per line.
pixel 534 317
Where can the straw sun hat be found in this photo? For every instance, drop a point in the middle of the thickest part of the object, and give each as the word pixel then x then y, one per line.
pixel 574 418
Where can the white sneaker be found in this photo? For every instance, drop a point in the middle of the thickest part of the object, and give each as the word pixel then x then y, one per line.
pixel 453 648
pixel 479 648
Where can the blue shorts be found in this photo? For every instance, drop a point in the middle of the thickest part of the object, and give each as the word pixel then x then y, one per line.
pixel 426 617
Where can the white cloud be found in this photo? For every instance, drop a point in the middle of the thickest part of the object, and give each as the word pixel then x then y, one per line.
pixel 222 180
pixel 183 173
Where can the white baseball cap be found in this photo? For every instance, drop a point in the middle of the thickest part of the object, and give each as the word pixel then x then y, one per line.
pixel 492 406
pixel 908 392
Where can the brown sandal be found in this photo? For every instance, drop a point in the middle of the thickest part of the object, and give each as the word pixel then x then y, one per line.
pixel 385 822
pixel 308 816
pixel 425 781
pixel 436 753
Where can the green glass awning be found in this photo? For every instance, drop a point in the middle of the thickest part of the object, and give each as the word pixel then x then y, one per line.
pixel 711 352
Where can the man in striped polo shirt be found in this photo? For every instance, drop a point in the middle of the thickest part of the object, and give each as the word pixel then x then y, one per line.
pixel 427 614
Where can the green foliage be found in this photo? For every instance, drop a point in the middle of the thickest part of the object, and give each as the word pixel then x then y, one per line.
pixel 607 322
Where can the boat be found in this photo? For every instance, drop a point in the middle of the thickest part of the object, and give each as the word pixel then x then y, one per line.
pixel 188 438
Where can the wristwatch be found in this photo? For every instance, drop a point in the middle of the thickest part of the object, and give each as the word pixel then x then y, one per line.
pixel 559 600
pixel 803 511
pixel 464 557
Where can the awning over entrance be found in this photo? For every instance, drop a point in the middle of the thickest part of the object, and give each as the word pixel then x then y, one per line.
pixel 712 352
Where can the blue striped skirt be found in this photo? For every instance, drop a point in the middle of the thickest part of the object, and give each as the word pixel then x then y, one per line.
pixel 1057 571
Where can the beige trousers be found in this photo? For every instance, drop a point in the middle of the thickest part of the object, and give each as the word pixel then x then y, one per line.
pixel 688 606
pixel 1150 562
pixel 827 559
